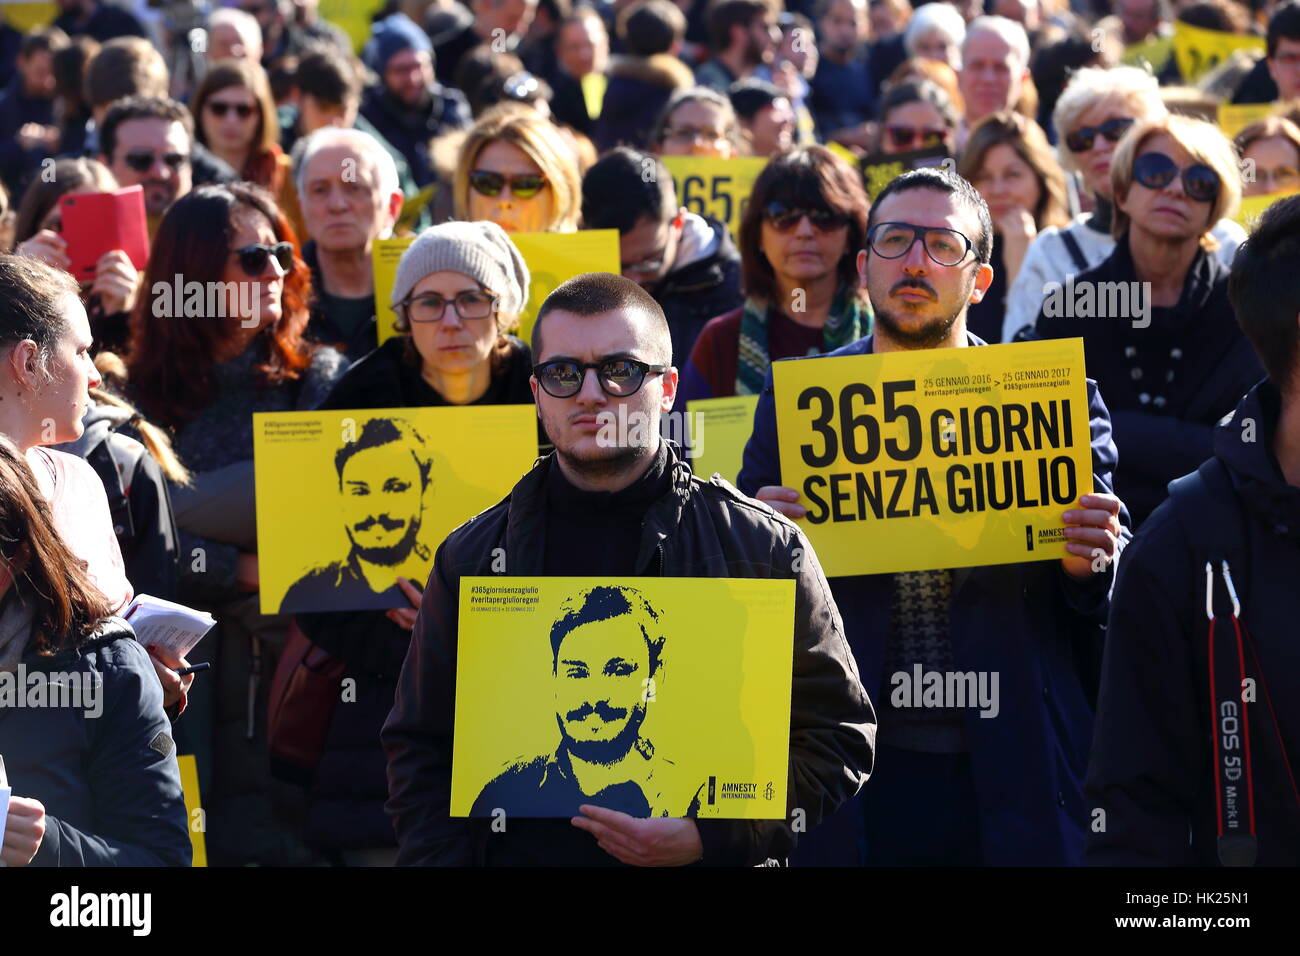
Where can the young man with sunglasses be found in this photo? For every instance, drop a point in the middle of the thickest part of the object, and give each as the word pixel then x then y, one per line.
pixel 1159 335
pixel 1198 717
pixel 622 507
pixel 953 788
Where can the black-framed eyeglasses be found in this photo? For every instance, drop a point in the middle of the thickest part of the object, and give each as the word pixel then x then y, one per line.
pixel 1083 138
pixel 220 109
pixel 893 240
pixel 907 137
pixel 783 217
pixel 488 183
pixel 1156 171
pixel 431 307
pixel 142 162
pixel 253 259
pixel 563 378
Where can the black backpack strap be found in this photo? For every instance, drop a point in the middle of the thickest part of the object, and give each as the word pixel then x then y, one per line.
pixel 1075 250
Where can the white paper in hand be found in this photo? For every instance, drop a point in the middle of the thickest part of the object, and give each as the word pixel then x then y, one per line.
pixel 172 626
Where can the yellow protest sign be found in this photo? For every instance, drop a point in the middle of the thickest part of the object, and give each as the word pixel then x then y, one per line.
pixel 26 16
pixel 353 17
pixel 722 426
pixel 939 458
pixel 1252 207
pixel 1234 117
pixel 552 258
pixel 715 187
pixel 412 206
pixel 593 87
pixel 193 807
pixel 1198 51
pixel 349 500
pixel 665 697
pixel 1154 53
pixel 843 152
pixel 557 257
pixel 385 254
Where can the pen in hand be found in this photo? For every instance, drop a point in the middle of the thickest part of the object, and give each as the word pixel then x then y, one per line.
pixel 194 669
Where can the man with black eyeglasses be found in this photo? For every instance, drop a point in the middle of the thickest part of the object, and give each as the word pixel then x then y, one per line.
pixel 619 505
pixel 687 263
pixel 953 788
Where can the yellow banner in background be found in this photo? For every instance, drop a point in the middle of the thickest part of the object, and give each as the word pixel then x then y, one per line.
pixel 718 188
pixel 1154 53
pixel 1252 207
pixel 354 17
pixel 195 821
pixel 349 500
pixel 593 87
pixel 26 17
pixel 1234 117
pixel 722 427
pixel 941 458
pixel 665 697
pixel 1198 51
pixel 552 258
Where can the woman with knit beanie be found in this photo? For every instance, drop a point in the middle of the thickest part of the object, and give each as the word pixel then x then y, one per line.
pixel 459 290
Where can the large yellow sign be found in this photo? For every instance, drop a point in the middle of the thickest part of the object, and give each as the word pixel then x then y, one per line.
pixel 939 458
pixel 349 500
pixel 664 697
pixel 552 258
pixel 718 188
pixel 1252 207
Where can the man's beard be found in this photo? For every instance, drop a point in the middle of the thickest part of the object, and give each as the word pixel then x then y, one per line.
pixel 605 752
pixel 388 555
pixel 927 336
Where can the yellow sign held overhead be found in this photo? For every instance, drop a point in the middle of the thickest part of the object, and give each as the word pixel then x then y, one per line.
pixel 656 697
pixel 718 188
pixel 349 500
pixel 1198 51
pixel 939 458
pixel 552 258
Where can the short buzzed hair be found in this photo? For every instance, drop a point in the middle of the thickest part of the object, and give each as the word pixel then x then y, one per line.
pixel 599 293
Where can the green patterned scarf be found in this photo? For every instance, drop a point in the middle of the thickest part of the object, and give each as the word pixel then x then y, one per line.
pixel 848 321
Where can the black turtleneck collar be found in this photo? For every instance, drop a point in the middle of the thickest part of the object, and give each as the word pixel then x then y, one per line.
pixel 562 495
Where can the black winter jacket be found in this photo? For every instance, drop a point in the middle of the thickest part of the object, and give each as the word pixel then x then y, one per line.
pixel 109 782
pixel 698 529
pixel 1198 340
pixel 706 288
pixel 409 131
pixel 1152 757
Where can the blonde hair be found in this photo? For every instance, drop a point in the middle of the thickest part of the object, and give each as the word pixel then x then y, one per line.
pixel 1135 89
pixel 1008 128
pixel 526 129
pixel 1203 142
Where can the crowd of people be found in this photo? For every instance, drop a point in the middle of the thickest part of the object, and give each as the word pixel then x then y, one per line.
pixel 1042 142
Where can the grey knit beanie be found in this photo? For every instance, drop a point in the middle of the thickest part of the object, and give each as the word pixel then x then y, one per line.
pixel 480 250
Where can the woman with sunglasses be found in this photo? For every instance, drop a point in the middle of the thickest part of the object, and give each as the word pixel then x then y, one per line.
pixel 799 240
pixel 236 119
pixel 38 233
pixel 1160 337
pixel 1009 161
pixel 697 122
pixel 1270 150
pixel 517 171
pixel 1096 109
pixel 94 780
pixel 202 365
pixel 458 293
pixel 916 115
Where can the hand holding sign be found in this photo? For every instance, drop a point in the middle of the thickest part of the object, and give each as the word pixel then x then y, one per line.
pixel 1092 534
pixel 636 842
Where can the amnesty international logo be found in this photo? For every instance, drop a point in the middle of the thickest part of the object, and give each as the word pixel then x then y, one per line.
pixel 769 791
